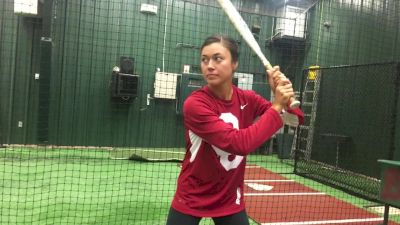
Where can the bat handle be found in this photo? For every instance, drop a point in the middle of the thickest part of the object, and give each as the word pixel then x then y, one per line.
pixel 293 102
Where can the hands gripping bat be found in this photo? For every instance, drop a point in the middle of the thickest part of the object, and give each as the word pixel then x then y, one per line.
pixel 245 32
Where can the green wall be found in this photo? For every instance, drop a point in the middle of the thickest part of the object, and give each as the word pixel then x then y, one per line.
pixel 88 37
pixel 18 63
pixel 397 125
pixel 361 32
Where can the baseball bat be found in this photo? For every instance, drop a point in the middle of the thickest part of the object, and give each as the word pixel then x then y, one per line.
pixel 245 32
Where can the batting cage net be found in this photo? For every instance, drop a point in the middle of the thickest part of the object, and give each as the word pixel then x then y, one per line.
pixel 342 146
pixel 91 97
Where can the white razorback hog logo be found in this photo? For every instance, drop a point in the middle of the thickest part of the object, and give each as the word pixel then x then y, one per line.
pixel 223 156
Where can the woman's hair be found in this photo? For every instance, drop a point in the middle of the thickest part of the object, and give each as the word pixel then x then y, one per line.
pixel 226 41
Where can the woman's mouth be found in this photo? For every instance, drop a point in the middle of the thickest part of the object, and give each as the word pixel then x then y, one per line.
pixel 211 75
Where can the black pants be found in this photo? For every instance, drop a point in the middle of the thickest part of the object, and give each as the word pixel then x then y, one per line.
pixel 177 218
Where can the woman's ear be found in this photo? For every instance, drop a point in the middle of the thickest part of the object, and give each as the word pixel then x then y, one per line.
pixel 235 65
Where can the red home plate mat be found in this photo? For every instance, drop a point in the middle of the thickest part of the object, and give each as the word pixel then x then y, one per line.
pixel 271 199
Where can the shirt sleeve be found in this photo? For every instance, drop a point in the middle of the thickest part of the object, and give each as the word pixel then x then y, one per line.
pixel 202 119
pixel 291 117
pixel 262 105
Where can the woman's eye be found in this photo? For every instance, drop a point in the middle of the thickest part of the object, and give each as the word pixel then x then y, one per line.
pixel 218 59
pixel 204 60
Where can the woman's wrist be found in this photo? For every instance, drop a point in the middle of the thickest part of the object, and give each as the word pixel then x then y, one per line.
pixel 277 108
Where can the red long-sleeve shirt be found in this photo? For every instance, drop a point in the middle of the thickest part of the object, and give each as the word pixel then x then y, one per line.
pixel 219 134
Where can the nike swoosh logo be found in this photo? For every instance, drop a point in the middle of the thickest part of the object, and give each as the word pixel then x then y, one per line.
pixel 242 106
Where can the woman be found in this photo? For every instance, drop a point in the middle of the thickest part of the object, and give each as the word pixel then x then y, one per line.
pixel 220 131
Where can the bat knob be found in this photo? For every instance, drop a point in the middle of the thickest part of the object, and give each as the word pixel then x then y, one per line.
pixel 294 104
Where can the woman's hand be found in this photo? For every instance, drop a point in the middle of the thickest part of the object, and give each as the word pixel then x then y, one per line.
pixel 274 75
pixel 281 87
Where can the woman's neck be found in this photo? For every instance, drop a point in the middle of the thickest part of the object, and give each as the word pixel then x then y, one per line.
pixel 222 92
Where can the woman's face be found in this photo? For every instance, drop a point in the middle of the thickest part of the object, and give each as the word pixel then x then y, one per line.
pixel 216 64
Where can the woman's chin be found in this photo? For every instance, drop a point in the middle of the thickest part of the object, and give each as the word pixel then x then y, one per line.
pixel 213 82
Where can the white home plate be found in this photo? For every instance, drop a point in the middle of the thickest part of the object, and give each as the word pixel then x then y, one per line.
pixel 259 187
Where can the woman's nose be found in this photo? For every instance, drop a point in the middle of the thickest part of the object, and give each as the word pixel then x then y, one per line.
pixel 210 64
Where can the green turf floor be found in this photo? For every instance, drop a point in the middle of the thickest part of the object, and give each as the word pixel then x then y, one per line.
pixel 86 186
